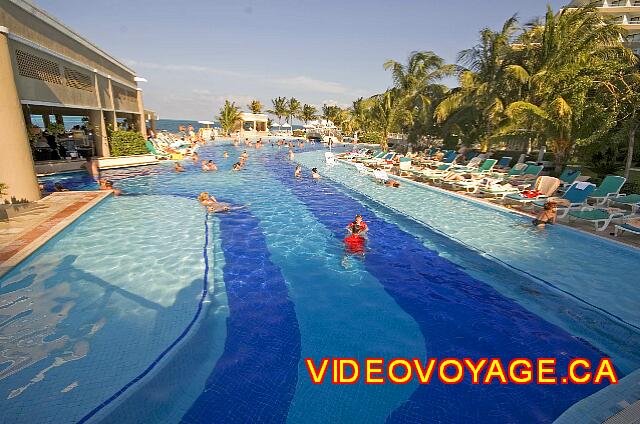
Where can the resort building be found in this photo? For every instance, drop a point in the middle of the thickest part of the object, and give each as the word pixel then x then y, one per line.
pixel 48 71
pixel 253 124
pixel 624 12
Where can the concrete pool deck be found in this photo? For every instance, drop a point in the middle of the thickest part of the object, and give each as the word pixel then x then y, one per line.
pixel 22 235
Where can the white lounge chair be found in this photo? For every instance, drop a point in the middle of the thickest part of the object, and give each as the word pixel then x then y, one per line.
pixel 380 176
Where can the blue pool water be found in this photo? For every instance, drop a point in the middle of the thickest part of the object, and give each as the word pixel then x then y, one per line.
pixel 108 323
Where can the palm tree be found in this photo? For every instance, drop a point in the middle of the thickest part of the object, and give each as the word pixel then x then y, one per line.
pixel 570 79
pixel 485 84
pixel 255 106
pixel 229 116
pixel 294 108
pixel 280 108
pixel 418 89
pixel 388 114
pixel 308 113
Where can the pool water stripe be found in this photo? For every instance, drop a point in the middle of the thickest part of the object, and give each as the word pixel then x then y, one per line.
pixel 168 349
pixel 458 315
pixel 255 378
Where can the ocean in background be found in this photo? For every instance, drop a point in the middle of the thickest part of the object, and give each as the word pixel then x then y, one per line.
pixel 170 125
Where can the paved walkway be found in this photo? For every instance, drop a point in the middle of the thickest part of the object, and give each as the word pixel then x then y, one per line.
pixel 22 235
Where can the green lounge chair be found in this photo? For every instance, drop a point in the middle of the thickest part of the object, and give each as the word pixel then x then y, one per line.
pixel 632 200
pixel 152 149
pixel 610 187
pixel 576 196
pixel 627 227
pixel 517 170
pixel 601 218
pixel 425 173
pixel 374 158
pixel 486 166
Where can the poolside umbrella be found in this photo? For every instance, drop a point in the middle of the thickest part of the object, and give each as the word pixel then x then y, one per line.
pixel 275 124
pixel 286 126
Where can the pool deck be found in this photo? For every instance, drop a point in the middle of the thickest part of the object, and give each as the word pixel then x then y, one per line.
pixel 23 234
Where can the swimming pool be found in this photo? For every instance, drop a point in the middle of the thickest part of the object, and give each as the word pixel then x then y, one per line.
pixel 147 310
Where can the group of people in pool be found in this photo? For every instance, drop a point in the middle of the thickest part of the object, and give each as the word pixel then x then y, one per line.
pixel 314 173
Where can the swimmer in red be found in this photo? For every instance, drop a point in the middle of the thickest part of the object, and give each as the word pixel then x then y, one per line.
pixel 355 242
pixel 358 226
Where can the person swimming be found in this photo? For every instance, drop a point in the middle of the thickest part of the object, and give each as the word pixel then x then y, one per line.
pixel 211 166
pixel 213 206
pixel 355 243
pixel 358 226
pixel 178 167
pixel 315 174
pixel 548 215
pixel 298 172
pixel 109 186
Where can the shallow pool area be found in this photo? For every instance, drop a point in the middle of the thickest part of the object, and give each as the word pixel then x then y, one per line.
pixel 149 310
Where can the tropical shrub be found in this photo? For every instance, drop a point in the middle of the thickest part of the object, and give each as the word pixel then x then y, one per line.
pixel 298 133
pixel 3 187
pixel 126 143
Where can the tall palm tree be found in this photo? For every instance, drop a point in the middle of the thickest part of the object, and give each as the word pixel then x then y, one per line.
pixel 485 83
pixel 255 106
pixel 388 114
pixel 570 78
pixel 293 109
pixel 229 116
pixel 308 113
pixel 280 108
pixel 418 88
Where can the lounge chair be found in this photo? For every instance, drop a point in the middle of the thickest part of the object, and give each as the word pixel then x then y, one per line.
pixel 631 200
pixel 610 187
pixel 528 176
pixel 546 186
pixel 486 167
pixel 632 226
pixel 569 176
pixel 473 164
pixel 405 164
pixel 494 188
pixel 574 198
pixel 378 155
pixel 518 169
pixel 600 217
pixel 380 176
pixel 504 162
pixel 152 149
pixel 425 173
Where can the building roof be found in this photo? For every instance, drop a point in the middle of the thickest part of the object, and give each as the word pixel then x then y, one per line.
pixel 31 8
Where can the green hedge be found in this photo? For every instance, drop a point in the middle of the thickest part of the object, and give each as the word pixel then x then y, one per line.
pixel 371 137
pixel 126 143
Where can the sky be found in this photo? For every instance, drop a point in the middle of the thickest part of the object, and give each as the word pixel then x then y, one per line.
pixel 197 53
